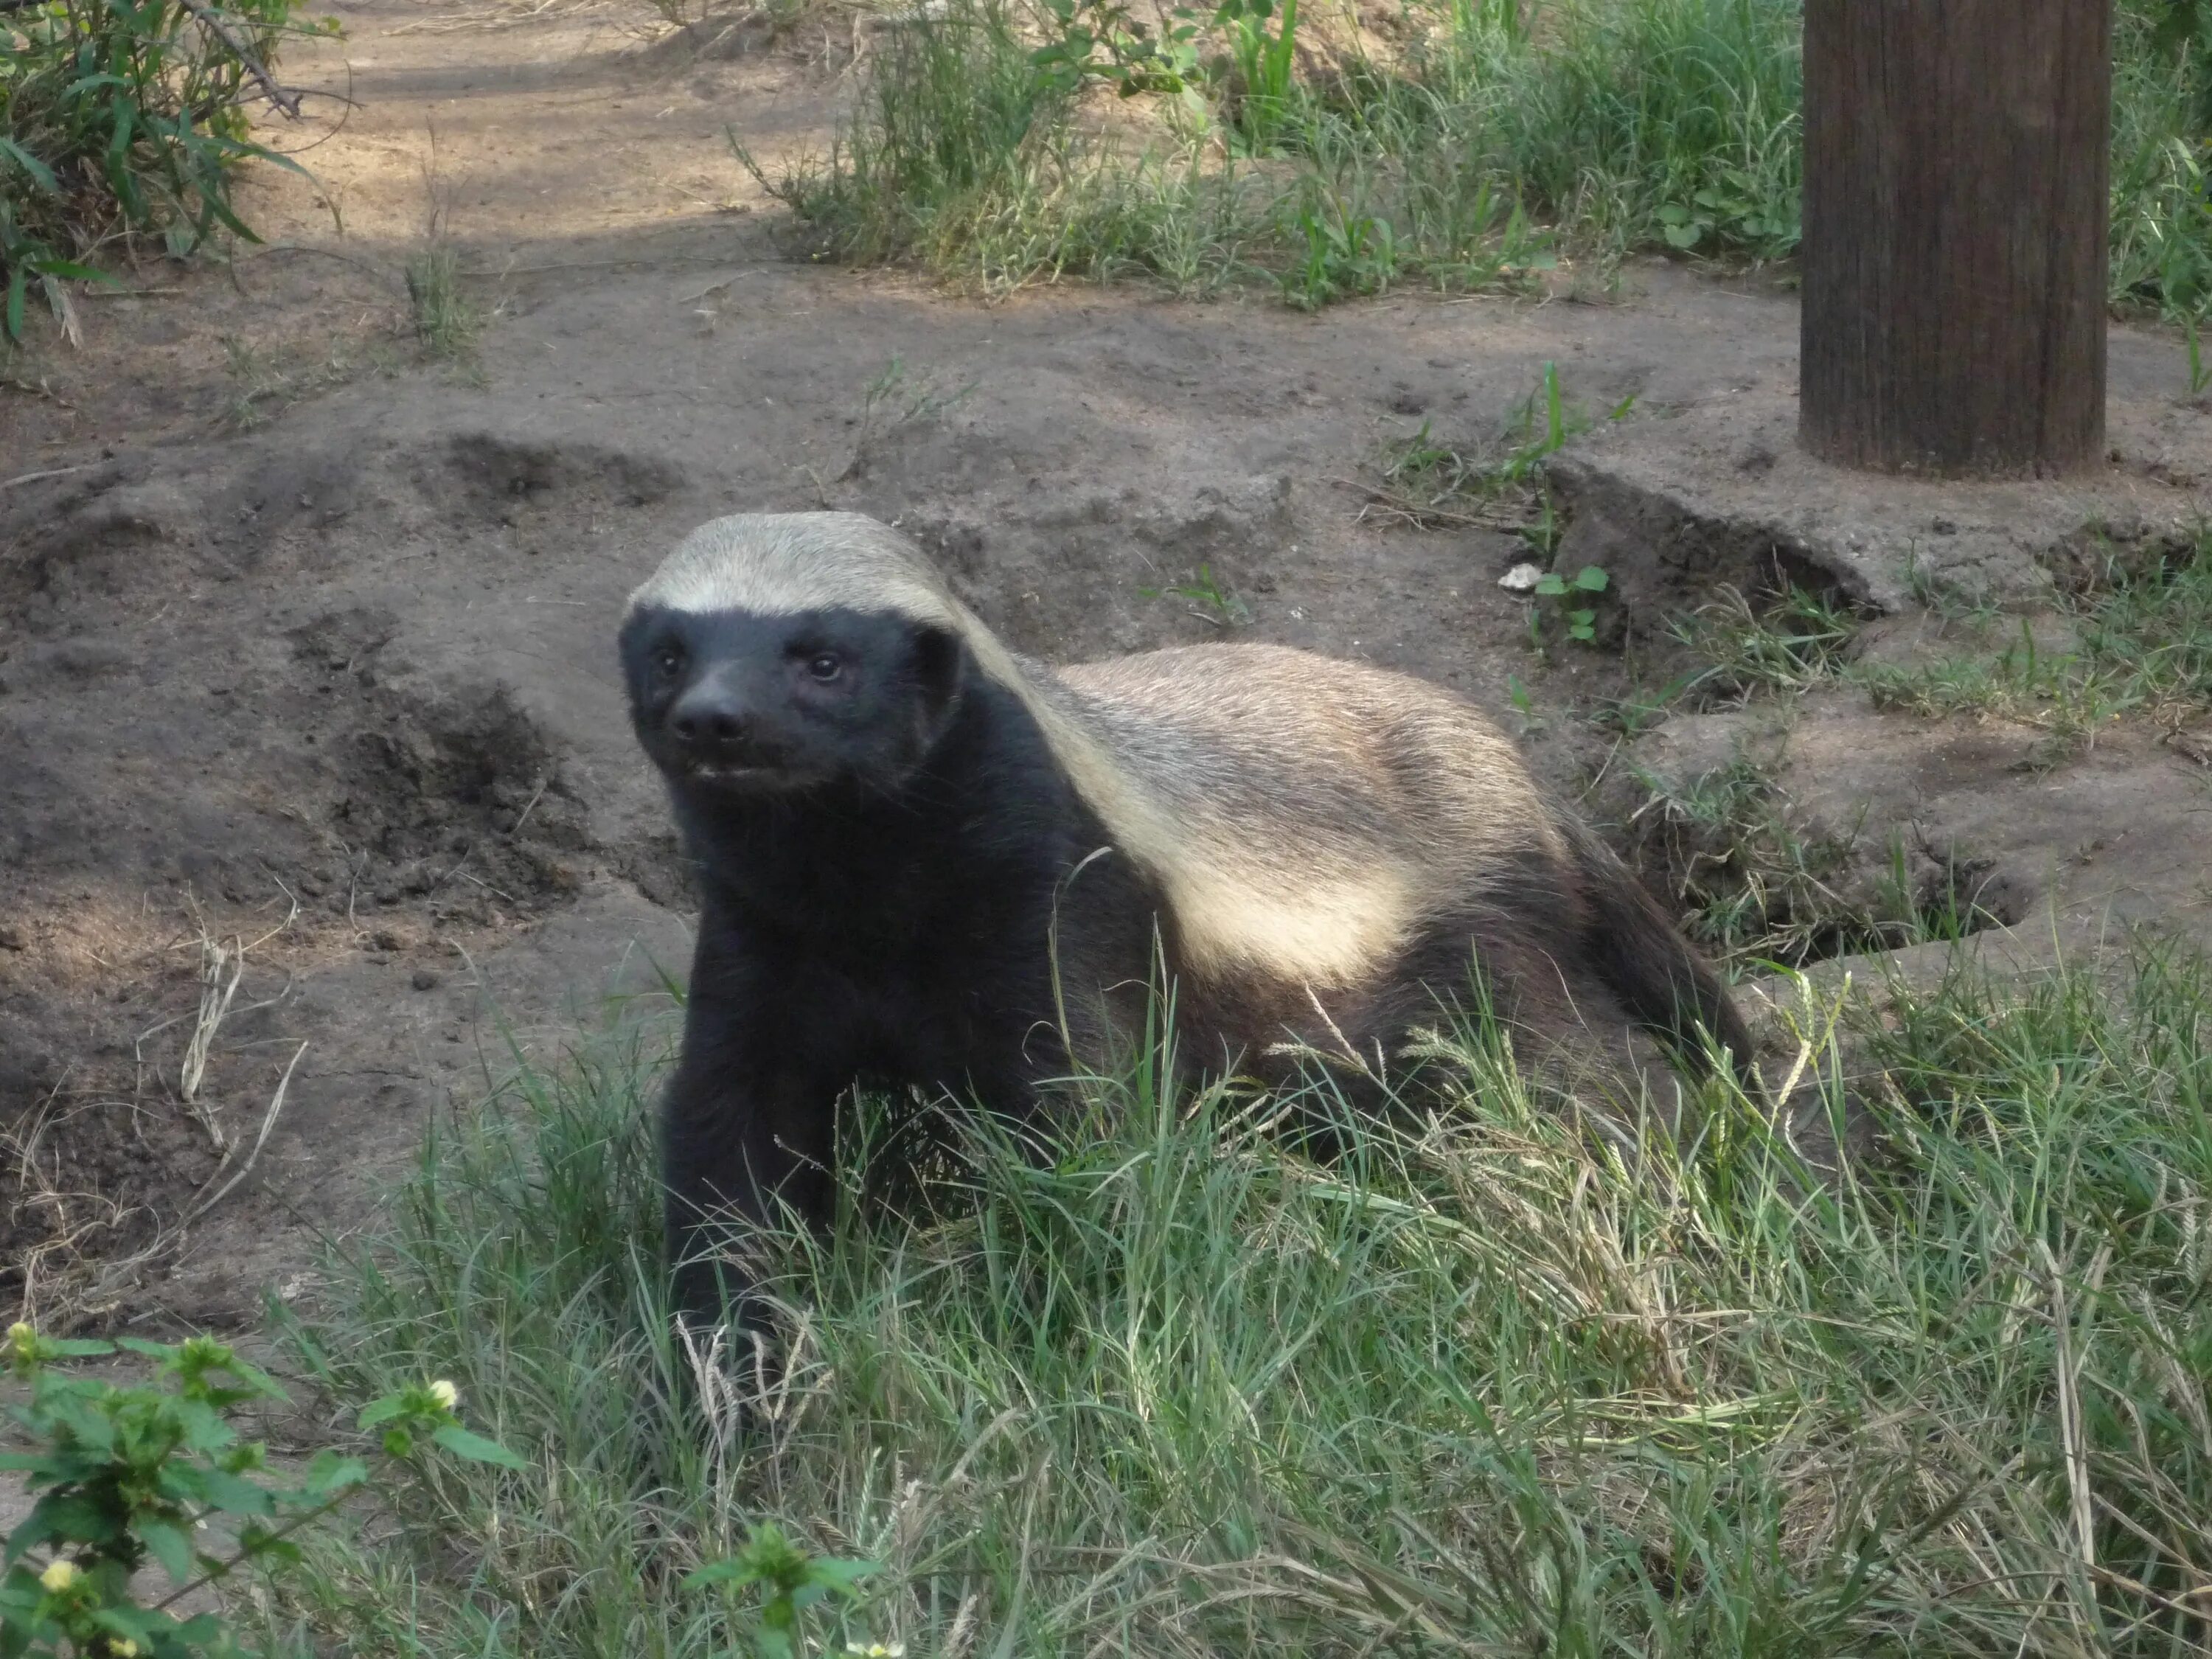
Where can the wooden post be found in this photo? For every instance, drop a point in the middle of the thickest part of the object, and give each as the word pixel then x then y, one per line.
pixel 1957 154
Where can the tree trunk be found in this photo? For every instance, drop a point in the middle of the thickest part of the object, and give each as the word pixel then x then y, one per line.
pixel 1957 154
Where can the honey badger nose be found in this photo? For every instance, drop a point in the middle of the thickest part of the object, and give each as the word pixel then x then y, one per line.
pixel 709 718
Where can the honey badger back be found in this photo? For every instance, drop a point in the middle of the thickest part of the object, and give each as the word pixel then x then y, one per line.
pixel 1344 839
pixel 890 813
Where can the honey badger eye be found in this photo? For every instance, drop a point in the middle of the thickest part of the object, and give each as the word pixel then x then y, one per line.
pixel 825 665
pixel 668 662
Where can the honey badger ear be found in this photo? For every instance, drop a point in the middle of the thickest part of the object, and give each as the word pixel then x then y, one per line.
pixel 939 660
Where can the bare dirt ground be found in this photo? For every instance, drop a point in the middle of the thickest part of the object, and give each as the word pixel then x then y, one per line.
pixel 306 642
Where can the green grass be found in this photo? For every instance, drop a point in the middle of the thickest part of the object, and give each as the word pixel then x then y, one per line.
pixel 447 320
pixel 1794 642
pixel 2132 640
pixel 120 123
pixel 2137 645
pixel 2142 649
pixel 1755 889
pixel 1481 1388
pixel 1482 134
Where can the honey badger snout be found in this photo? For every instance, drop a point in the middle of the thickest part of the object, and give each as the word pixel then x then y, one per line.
pixel 713 721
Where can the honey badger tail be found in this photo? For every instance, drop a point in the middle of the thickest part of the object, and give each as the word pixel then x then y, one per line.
pixel 1658 973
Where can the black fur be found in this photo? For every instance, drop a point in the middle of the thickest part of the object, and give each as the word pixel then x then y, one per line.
pixel 1638 950
pixel 885 922
pixel 883 849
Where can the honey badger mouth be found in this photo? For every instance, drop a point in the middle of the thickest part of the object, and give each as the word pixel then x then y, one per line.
pixel 708 771
pixel 756 774
pixel 734 777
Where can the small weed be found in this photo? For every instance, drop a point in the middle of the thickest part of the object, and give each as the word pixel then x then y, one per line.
pixel 1210 601
pixel 1570 603
pixel 790 1581
pixel 1942 597
pixel 446 320
pixel 895 398
pixel 1751 209
pixel 2199 375
pixel 1429 483
pixel 1347 251
pixel 1541 426
pixel 267 382
pixel 898 396
pixel 1637 712
pixel 1792 644
pixel 1427 475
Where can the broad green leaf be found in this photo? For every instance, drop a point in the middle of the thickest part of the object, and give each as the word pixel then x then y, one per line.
pixel 233 1496
pixel 719 1572
pixel 474 1447
pixel 381 1411
pixel 65 1518
pixel 332 1472
pixel 169 1543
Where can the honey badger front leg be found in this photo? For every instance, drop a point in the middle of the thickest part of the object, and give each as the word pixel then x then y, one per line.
pixel 748 1125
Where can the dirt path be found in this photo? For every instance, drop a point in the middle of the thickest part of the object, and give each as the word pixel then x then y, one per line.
pixel 306 644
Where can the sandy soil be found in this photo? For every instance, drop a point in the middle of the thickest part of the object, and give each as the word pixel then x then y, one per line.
pixel 306 644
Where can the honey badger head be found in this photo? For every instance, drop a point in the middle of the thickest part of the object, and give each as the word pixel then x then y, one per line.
pixel 774 653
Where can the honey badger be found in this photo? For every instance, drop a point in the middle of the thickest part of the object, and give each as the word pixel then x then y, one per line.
pixel 897 826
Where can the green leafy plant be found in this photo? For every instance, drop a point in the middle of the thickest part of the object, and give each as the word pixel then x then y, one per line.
pixel 1541 424
pixel 1346 251
pixel 1101 40
pixel 1743 210
pixel 1262 40
pixel 1571 599
pixel 791 1582
pixel 126 119
pixel 131 1474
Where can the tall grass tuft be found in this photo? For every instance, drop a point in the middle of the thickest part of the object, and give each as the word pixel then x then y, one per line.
pixel 1253 142
pixel 1482 1385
